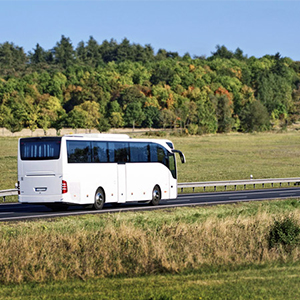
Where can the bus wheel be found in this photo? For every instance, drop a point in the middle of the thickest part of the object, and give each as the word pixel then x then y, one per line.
pixel 99 199
pixel 156 195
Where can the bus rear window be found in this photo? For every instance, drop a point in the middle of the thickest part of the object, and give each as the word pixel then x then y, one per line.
pixel 45 148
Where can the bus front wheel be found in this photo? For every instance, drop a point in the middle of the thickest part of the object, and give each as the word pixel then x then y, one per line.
pixel 156 195
pixel 99 199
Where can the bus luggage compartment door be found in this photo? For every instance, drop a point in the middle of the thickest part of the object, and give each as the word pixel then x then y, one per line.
pixel 121 183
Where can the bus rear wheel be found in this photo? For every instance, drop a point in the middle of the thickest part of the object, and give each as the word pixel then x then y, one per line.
pixel 99 199
pixel 156 196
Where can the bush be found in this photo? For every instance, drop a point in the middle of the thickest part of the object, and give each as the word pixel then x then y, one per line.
pixel 193 129
pixel 284 232
pixel 156 133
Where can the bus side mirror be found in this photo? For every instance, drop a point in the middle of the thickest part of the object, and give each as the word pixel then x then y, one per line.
pixel 182 157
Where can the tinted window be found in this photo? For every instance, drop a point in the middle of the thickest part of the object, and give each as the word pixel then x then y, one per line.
pixel 139 152
pixel 79 151
pixel 99 152
pixel 159 154
pixel 118 152
pixel 45 148
pixel 172 165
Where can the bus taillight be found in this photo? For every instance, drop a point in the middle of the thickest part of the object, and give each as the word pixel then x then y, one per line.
pixel 64 187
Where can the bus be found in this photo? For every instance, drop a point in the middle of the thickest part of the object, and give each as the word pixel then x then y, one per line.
pixel 93 169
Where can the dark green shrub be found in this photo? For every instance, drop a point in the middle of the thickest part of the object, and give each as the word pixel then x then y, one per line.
pixel 284 232
pixel 156 133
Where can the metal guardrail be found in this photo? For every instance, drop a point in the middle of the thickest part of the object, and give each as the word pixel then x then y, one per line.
pixel 10 192
pixel 235 183
pixel 205 184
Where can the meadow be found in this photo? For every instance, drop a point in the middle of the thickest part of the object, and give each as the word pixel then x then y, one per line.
pixel 186 253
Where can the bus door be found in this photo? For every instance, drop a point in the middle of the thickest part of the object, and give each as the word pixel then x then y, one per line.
pixel 121 182
pixel 119 153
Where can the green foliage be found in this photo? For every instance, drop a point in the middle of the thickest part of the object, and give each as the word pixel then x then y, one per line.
pixel 133 86
pixel 254 117
pixel 284 232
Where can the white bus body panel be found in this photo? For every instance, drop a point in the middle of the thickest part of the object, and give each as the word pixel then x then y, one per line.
pixel 41 181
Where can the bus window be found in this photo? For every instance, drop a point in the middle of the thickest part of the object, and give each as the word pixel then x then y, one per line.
pixel 172 165
pixel 79 151
pixel 162 156
pixel 118 152
pixel 40 148
pixel 139 152
pixel 159 154
pixel 99 152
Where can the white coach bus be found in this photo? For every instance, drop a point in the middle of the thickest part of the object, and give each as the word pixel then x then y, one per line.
pixel 93 169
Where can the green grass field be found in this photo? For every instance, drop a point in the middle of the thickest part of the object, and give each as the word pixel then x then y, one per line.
pixel 272 282
pixel 186 253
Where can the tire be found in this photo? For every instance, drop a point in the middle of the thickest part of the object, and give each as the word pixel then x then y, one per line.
pixel 156 196
pixel 99 199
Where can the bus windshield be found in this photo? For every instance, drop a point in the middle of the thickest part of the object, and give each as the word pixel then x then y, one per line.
pixel 45 148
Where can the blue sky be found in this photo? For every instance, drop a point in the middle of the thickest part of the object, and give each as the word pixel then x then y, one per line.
pixel 193 26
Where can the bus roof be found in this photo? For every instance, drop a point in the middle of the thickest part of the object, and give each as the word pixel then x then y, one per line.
pixel 103 136
pixel 120 137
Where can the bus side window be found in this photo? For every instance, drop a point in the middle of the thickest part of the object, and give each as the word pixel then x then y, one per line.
pixel 159 154
pixel 99 152
pixel 139 152
pixel 79 152
pixel 153 152
pixel 118 152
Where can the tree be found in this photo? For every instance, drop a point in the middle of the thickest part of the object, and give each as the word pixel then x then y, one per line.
pixel 38 56
pixel 254 117
pixel 224 114
pixel 162 73
pixel 64 53
pixel 12 58
pixel 116 119
pixel 89 54
pixel 222 52
pixel 151 117
pixel 50 110
pixel 134 114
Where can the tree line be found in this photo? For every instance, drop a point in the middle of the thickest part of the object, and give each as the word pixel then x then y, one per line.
pixel 125 84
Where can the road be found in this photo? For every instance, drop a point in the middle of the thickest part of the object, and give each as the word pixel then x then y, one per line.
pixel 17 211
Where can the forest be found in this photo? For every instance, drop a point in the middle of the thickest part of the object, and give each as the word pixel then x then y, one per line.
pixel 115 85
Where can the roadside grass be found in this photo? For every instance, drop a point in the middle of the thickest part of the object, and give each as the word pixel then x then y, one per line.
pixel 8 163
pixel 135 244
pixel 270 282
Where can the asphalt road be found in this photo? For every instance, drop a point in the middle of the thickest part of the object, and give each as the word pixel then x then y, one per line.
pixel 17 211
